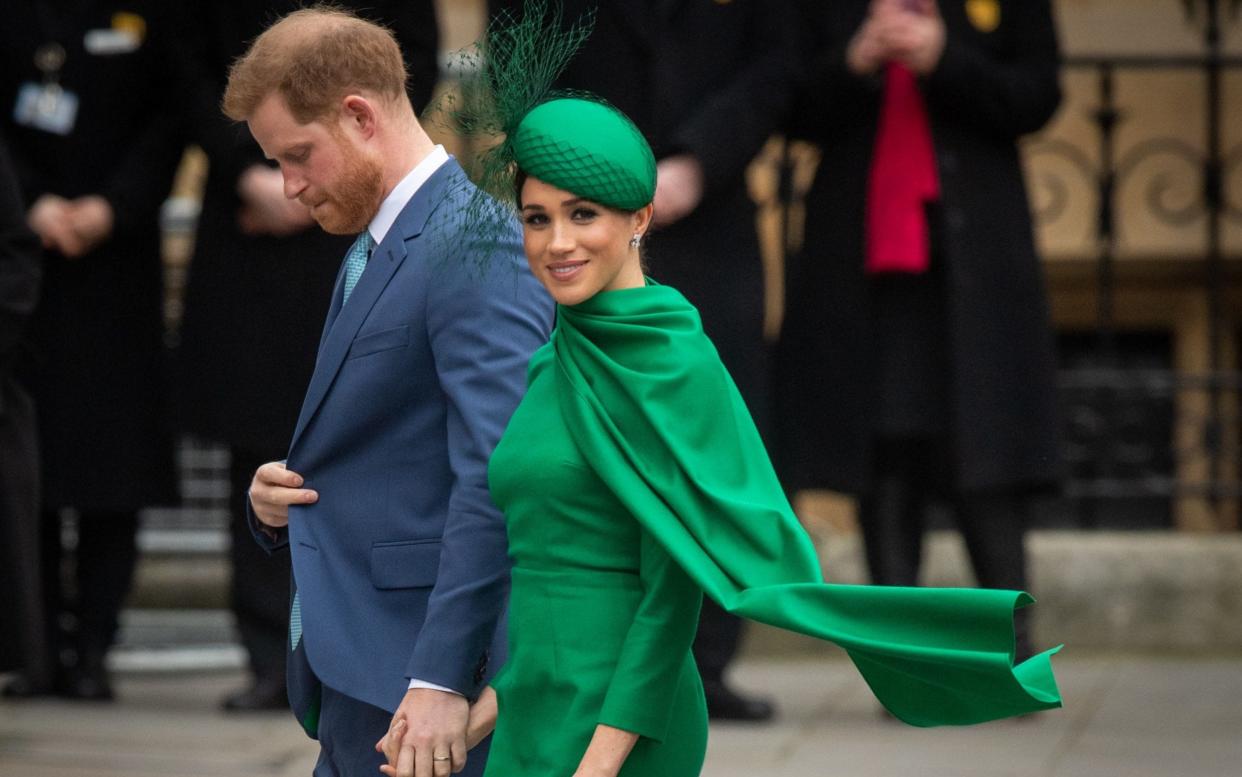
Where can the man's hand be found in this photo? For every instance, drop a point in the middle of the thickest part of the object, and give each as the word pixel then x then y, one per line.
pixel 265 208
pixel 273 489
pixel 679 188
pixel 90 219
pixel 866 51
pixel 49 219
pixel 427 737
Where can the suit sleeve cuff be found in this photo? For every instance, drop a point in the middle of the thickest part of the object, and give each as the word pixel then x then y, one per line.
pixel 416 683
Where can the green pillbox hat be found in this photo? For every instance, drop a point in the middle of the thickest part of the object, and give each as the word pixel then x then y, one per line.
pixel 588 148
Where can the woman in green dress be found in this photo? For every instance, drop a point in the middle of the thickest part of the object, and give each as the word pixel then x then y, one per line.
pixel 633 480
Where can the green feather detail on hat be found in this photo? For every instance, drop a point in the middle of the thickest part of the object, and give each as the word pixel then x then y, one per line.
pixel 588 148
pixel 506 110
pixel 500 79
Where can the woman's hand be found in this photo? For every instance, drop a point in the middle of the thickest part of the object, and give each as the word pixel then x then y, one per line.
pixel 482 718
pixel 607 752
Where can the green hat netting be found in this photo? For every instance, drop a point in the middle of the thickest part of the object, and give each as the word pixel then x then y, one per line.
pixel 588 148
pixel 508 114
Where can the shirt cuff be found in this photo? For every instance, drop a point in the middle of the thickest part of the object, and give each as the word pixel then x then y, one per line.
pixel 414 683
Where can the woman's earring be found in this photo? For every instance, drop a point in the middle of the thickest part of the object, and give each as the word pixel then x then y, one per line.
pixel 636 241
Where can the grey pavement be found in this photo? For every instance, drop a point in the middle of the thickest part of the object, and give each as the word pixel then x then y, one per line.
pixel 1132 715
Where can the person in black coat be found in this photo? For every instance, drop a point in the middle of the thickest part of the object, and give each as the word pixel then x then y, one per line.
pixel 86 90
pixel 262 273
pixel 707 83
pixel 22 623
pixel 902 386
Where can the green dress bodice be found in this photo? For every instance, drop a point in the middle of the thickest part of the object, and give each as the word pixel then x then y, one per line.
pixel 601 618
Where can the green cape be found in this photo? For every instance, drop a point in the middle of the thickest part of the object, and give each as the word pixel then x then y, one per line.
pixel 651 406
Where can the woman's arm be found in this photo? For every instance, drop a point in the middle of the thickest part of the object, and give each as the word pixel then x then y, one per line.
pixel 649 669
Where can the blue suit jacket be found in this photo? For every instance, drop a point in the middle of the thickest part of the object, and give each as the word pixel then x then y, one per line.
pixel 401 567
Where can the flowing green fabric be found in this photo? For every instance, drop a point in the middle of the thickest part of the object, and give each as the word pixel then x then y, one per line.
pixel 652 408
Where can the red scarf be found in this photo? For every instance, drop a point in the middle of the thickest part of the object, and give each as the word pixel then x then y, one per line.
pixel 902 179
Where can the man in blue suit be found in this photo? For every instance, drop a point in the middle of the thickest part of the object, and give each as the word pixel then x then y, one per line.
pixel 399 557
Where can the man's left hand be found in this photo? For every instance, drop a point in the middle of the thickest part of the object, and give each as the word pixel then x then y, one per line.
pixel 679 188
pixel 90 220
pixel 427 737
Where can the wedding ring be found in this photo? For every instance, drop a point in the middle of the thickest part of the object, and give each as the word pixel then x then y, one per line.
pixel 441 758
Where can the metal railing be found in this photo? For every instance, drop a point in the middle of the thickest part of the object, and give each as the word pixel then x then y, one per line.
pixel 1114 409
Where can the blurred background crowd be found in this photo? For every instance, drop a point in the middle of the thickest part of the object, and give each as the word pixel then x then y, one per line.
pixel 974 265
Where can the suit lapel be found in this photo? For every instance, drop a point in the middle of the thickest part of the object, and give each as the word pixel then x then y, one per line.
pixel 385 260
pixel 334 308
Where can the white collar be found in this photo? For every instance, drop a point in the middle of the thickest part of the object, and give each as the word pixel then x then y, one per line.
pixel 403 192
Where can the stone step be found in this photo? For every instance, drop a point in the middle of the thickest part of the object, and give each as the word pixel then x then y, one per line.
pixel 174 640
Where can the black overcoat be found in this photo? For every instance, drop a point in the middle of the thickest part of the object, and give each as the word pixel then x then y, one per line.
pixel 99 373
pixel 990 87
pixel 21 620
pixel 255 305
pixel 712 79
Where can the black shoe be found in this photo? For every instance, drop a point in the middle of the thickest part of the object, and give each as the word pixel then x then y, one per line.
pixel 723 703
pixel 262 695
pixel 23 687
pixel 88 682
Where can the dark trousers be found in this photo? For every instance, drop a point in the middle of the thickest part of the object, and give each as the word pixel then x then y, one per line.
pixel 92 587
pixel 23 627
pixel 259 594
pixel 348 731
pixel 910 475
pixel 716 642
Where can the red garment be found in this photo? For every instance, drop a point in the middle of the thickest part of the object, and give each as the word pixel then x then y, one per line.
pixel 902 179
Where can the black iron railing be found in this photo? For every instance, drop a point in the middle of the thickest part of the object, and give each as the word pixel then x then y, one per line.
pixel 1115 408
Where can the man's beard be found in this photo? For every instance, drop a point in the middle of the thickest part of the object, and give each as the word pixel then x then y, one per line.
pixel 355 198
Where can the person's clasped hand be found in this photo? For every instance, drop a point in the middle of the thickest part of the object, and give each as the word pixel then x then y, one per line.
pixel 427 736
pixel 71 227
pixel 679 188
pixel 265 209
pixel 911 32
pixel 481 723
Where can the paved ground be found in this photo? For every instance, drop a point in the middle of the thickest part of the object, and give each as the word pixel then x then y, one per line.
pixel 1125 715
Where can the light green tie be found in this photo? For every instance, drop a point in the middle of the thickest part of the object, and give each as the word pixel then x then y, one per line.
pixel 295 622
pixel 356 261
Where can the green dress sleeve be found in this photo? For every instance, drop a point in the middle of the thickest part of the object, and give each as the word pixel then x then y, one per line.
pixel 654 654
pixel 649 404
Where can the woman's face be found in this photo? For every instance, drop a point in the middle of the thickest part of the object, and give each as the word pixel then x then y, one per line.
pixel 578 248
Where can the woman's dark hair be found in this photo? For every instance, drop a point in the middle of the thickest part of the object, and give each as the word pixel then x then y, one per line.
pixel 519 181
